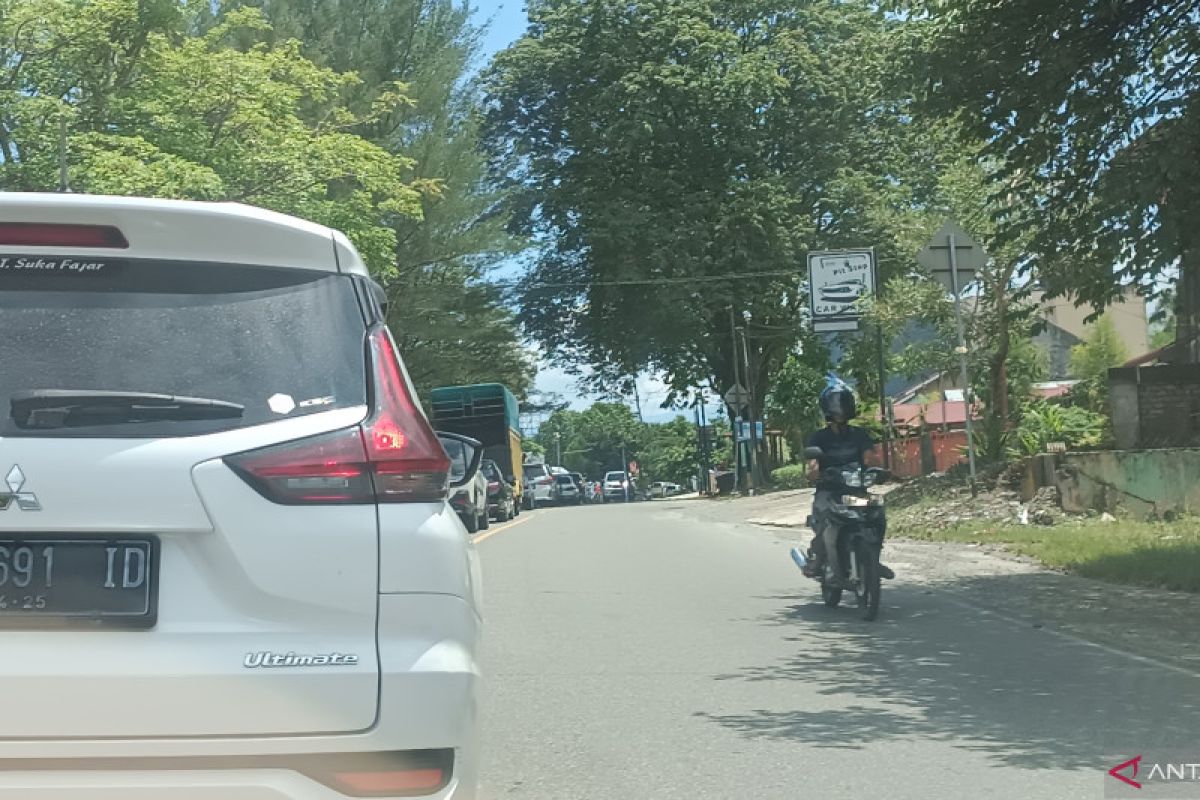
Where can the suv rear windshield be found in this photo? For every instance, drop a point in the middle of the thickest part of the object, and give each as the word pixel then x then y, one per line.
pixel 566 480
pixel 615 476
pixel 280 342
pixel 536 471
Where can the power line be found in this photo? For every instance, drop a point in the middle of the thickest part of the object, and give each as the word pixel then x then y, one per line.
pixel 511 284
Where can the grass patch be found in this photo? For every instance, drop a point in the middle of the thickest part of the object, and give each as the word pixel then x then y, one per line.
pixel 1161 555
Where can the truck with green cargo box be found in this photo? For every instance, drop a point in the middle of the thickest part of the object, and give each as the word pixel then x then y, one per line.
pixel 488 412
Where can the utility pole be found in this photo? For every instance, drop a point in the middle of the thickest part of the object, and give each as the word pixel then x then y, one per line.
pixel 637 398
pixel 962 355
pixel 752 450
pixel 883 403
pixel 737 412
pixel 705 444
pixel 963 258
pixel 558 447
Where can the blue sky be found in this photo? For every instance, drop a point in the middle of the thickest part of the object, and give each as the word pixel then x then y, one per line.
pixel 505 20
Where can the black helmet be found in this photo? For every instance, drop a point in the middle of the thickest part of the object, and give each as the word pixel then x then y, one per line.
pixel 837 401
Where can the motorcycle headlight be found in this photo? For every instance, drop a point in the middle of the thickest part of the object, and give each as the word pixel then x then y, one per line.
pixel 852 478
pixel 857 502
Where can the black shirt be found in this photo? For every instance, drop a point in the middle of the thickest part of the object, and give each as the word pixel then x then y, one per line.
pixel 847 447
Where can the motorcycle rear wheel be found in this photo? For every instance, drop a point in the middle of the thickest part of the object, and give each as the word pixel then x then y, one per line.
pixel 868 595
pixel 832 597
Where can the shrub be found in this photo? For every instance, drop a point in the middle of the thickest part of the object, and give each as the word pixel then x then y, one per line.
pixel 1043 423
pixel 790 477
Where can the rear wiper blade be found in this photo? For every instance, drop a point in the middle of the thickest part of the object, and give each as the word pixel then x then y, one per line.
pixel 74 408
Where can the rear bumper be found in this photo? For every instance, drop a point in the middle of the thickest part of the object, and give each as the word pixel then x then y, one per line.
pixel 181 785
pixel 429 679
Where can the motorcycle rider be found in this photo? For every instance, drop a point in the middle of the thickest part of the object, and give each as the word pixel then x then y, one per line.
pixel 841 444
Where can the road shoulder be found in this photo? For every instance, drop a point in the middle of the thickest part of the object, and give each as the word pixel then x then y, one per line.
pixel 1152 624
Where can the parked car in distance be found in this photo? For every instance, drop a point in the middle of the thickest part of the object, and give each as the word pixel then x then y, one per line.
pixel 539 485
pixel 617 487
pixel 567 491
pixel 501 497
pixel 665 489
pixel 471 501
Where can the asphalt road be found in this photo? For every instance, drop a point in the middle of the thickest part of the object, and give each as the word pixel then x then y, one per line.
pixel 666 650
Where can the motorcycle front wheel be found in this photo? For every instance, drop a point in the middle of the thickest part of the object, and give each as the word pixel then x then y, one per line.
pixel 832 597
pixel 868 595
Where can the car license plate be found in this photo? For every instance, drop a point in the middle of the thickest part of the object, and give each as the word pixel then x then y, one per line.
pixel 52 582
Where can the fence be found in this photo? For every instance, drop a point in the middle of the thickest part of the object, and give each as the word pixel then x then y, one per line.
pixel 943 449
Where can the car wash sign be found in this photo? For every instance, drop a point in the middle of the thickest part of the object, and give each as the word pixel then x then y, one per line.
pixel 836 281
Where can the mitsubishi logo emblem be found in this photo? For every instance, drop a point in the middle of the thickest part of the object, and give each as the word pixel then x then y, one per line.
pixel 15 481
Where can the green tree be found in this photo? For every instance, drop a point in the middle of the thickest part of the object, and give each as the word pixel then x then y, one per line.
pixel 675 142
pixel 558 434
pixel 670 452
pixel 998 315
pixel 592 440
pixel 1162 321
pixel 452 326
pixel 1090 108
pixel 1103 349
pixel 792 403
pixel 221 116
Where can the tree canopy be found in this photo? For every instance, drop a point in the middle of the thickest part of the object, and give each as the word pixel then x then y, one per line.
pixel 592 442
pixel 1102 349
pixel 150 110
pixel 1090 107
pixel 674 143
pixel 358 115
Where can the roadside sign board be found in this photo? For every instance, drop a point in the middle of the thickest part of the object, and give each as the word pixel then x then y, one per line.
pixel 744 431
pixel 836 281
pixel 738 396
pixel 969 257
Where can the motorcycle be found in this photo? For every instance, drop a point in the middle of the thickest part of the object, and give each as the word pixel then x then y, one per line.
pixel 862 523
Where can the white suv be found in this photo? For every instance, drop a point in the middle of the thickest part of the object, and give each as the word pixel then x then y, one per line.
pixel 227 565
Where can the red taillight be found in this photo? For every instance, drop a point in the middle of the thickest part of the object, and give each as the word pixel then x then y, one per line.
pixel 331 468
pixel 545 481
pixel 49 234
pixel 408 461
pixel 394 457
pixel 493 486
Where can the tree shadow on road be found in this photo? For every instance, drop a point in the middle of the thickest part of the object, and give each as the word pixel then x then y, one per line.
pixel 933 669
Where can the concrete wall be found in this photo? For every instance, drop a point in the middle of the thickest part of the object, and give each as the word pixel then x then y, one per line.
pixel 1144 483
pixel 1155 406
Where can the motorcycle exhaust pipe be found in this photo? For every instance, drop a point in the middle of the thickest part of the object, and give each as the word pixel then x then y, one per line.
pixel 799 558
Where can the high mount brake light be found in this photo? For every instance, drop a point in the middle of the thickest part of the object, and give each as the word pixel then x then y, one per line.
pixel 53 234
pixel 393 457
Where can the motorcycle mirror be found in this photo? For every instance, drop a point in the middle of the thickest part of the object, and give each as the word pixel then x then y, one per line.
pixel 879 476
pixel 813 453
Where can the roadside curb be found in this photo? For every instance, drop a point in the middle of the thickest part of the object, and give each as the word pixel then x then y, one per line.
pixel 768 523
